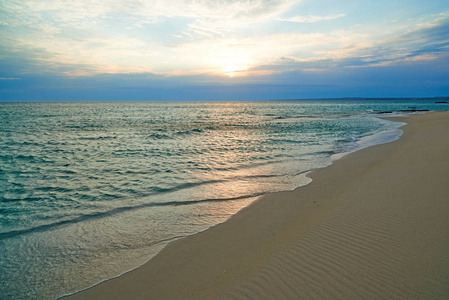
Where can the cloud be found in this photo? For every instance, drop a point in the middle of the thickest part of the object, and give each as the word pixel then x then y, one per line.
pixel 201 37
pixel 63 12
pixel 418 44
pixel 312 18
pixel 247 55
pixel 124 36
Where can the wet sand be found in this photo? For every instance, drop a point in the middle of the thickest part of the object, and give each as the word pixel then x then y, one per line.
pixel 374 225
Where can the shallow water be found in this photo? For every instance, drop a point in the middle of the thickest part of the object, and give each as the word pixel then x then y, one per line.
pixel 91 190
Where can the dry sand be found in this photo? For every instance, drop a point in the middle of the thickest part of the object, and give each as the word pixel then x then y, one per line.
pixel 374 225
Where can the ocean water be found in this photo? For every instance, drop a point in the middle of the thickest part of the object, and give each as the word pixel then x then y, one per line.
pixel 89 191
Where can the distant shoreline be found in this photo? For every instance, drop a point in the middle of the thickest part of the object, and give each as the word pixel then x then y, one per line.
pixel 440 100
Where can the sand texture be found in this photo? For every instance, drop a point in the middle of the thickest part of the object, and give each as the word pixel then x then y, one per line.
pixel 374 225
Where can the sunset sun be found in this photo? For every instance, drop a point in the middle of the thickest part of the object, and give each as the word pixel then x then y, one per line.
pixel 233 66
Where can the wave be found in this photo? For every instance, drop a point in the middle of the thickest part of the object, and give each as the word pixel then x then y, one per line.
pixel 99 215
pixel 160 191
pixel 96 138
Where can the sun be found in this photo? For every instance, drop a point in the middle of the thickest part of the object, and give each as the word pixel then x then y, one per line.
pixel 233 66
pixel 233 70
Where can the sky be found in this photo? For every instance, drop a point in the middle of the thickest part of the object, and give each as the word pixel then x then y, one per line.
pixel 122 50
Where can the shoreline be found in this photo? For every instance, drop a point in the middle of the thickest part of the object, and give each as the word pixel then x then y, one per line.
pixel 365 141
pixel 222 259
pixel 377 138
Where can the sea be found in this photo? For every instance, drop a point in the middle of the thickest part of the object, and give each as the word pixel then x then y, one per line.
pixel 91 190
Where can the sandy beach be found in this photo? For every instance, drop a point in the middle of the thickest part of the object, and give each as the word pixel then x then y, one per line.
pixel 373 225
